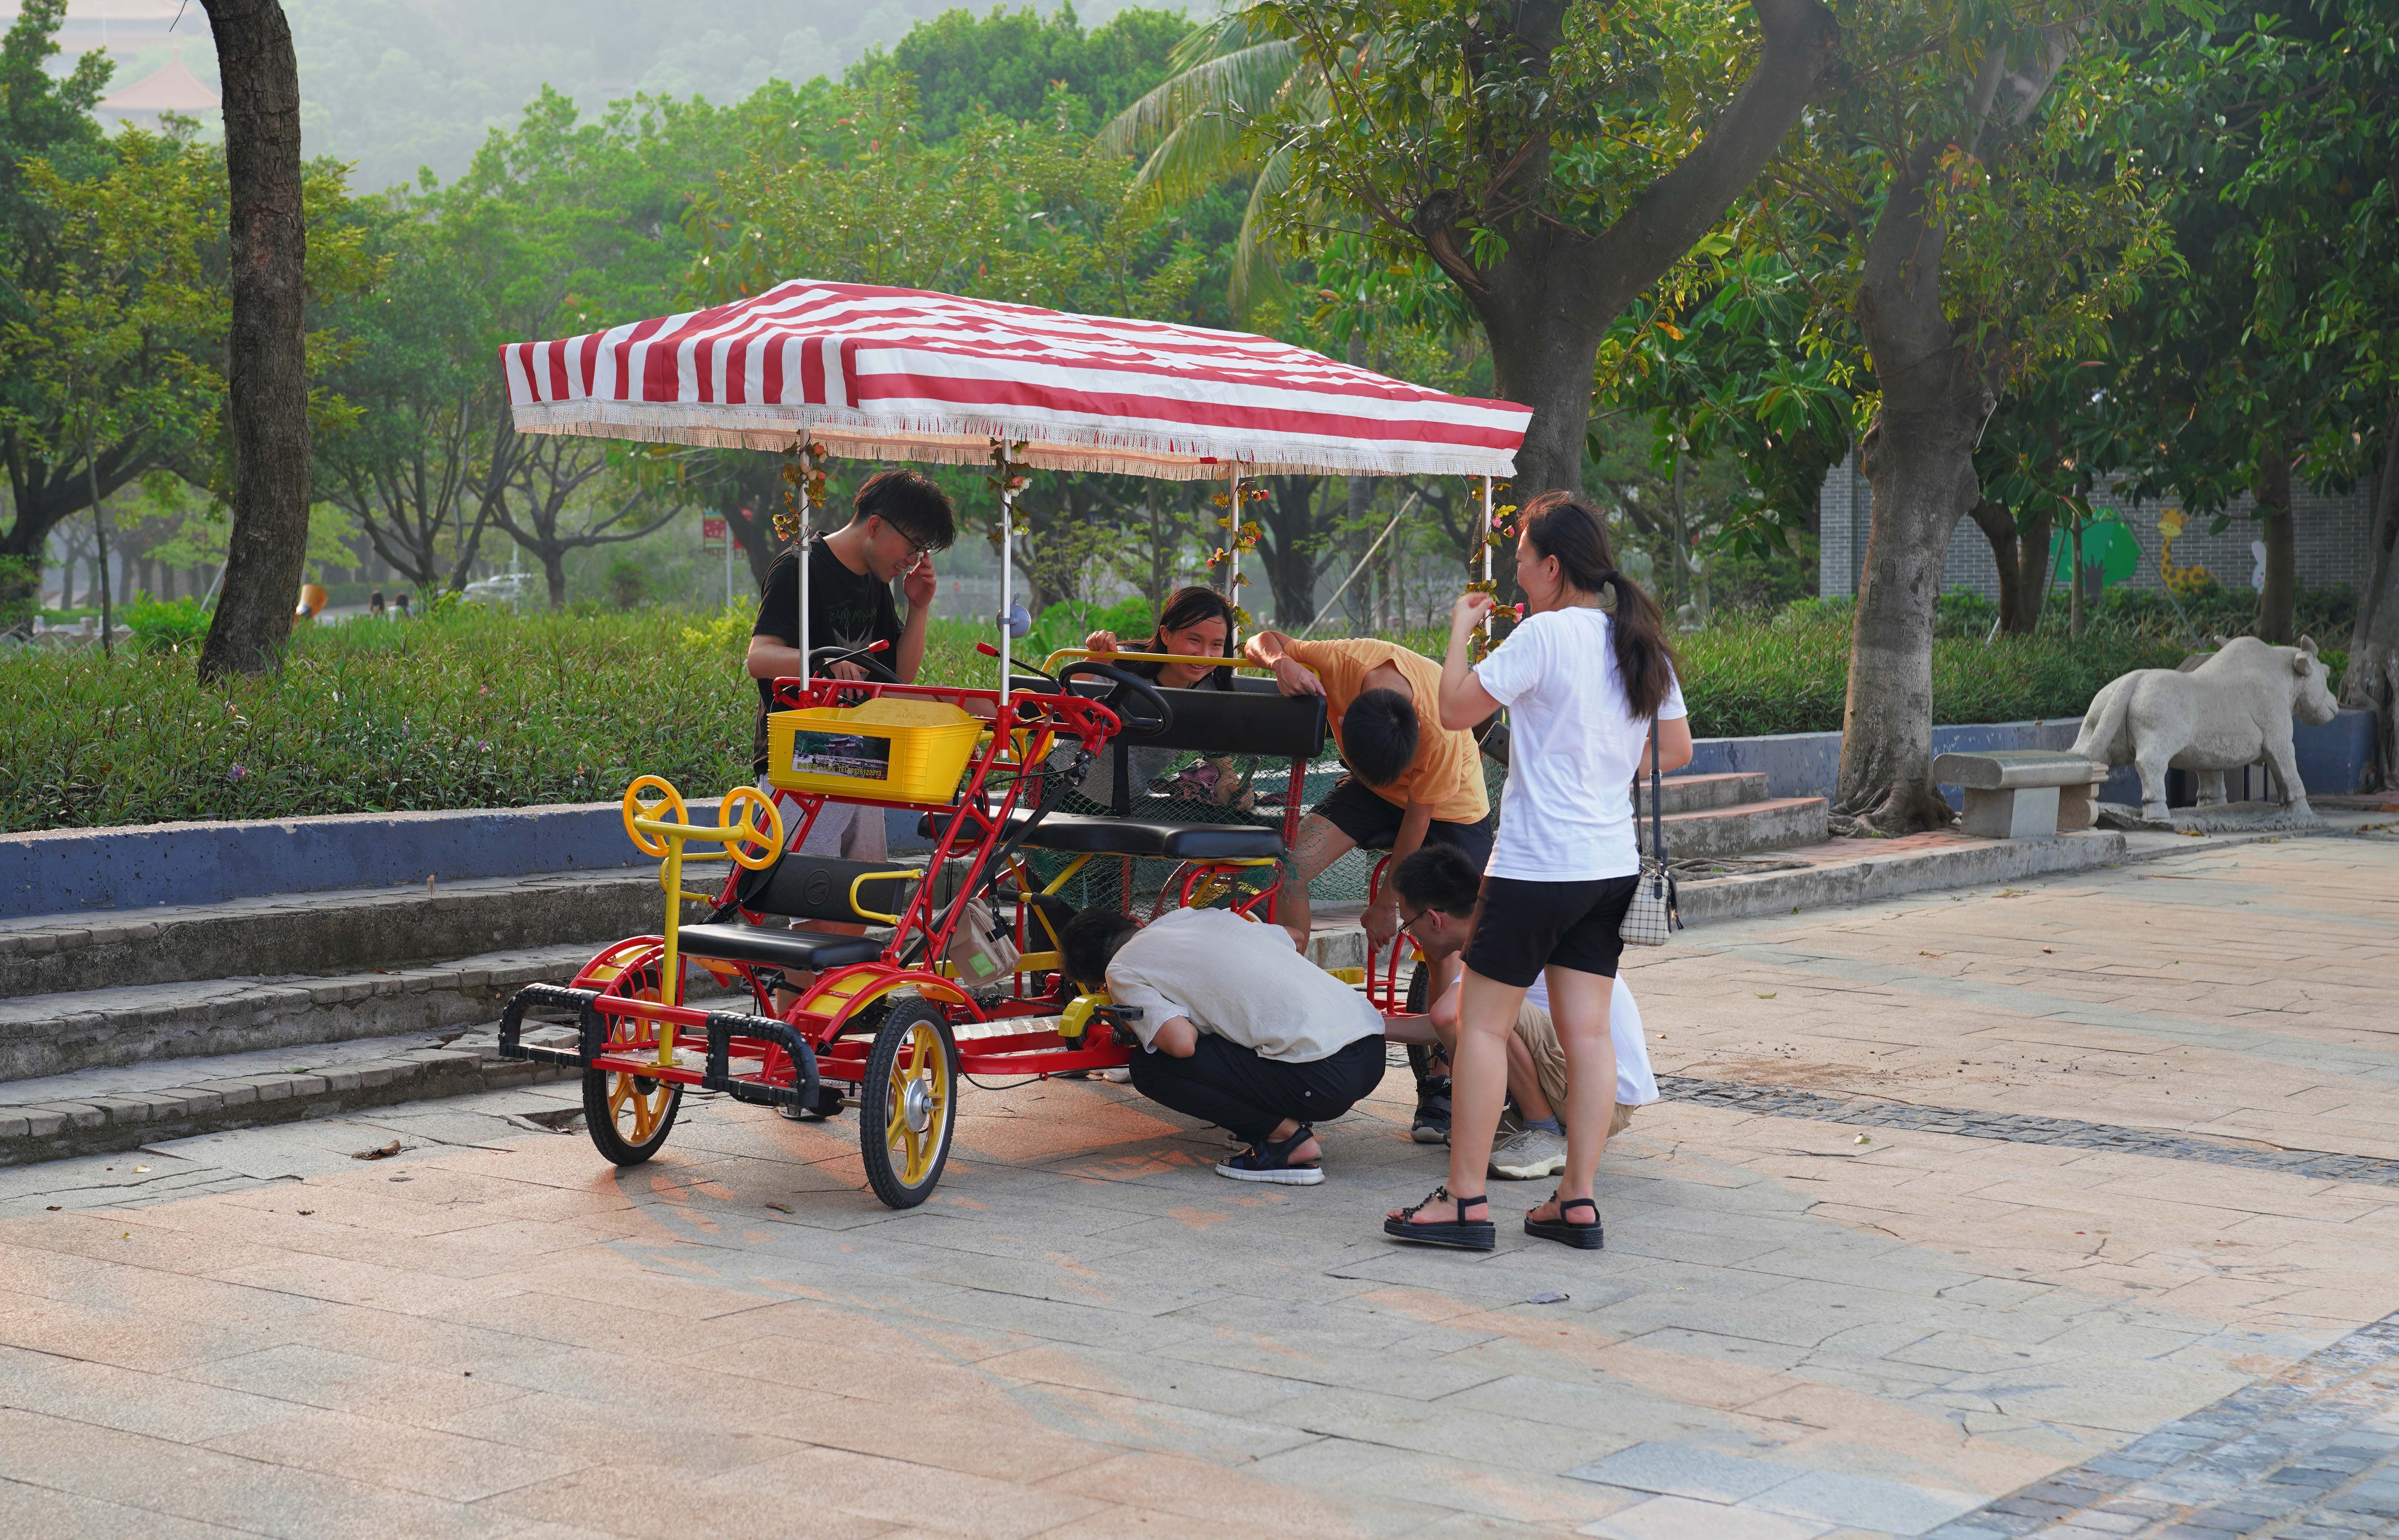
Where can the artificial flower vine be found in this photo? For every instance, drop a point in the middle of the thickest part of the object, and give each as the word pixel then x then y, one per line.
pixel 804 472
pixel 1242 535
pixel 1007 478
pixel 1502 530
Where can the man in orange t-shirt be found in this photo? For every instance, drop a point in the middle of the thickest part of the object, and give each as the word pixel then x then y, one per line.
pixel 1411 781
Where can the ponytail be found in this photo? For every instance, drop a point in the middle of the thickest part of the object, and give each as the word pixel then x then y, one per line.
pixel 1562 525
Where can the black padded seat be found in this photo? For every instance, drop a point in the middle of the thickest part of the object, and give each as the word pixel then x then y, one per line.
pixel 810 949
pixel 1085 834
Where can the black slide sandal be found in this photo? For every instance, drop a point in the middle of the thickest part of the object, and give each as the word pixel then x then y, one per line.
pixel 1586 1237
pixel 1460 1233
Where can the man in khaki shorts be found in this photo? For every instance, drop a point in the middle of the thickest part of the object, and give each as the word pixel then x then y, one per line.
pixel 1437 889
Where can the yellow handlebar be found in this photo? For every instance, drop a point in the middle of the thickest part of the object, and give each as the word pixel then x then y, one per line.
pixel 1070 654
pixel 749 819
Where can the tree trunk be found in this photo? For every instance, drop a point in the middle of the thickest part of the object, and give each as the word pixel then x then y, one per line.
pixel 1546 304
pixel 1939 386
pixel 2279 598
pixel 2077 592
pixel 1923 478
pixel 2035 562
pixel 2022 558
pixel 2371 681
pixel 1918 457
pixel 553 572
pixel 99 530
pixel 2383 551
pixel 267 385
pixel 1290 517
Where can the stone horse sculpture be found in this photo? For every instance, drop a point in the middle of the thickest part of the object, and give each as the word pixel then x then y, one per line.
pixel 2232 710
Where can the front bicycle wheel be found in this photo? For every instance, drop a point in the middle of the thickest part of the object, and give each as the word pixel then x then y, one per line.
pixel 908 1103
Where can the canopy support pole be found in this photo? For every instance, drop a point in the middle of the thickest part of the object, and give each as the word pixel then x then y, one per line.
pixel 1233 545
pixel 1006 570
pixel 1486 561
pixel 807 666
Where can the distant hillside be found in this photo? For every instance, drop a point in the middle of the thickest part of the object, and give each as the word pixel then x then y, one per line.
pixel 397 83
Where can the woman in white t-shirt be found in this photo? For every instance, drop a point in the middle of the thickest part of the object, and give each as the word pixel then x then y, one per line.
pixel 1582 688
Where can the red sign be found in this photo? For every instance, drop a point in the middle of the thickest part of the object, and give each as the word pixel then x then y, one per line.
pixel 712 529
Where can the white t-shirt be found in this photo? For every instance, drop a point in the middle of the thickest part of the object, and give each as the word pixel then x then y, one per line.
pixel 1573 749
pixel 1244 981
pixel 1636 1082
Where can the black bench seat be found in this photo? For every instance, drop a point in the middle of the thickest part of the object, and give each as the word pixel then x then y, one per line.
pixel 1087 834
pixel 808 949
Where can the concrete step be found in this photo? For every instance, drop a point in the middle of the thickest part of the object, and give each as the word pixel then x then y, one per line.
pixel 324 933
pixel 100 1111
pixel 48 1035
pixel 1772 824
pixel 1698 794
pixel 1855 872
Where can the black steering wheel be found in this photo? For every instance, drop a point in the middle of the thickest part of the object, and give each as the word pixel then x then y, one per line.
pixel 1134 700
pixel 876 667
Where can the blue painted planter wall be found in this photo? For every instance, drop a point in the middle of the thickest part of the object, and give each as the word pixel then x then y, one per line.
pixel 2332 758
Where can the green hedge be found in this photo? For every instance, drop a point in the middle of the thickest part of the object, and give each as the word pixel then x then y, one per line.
pixel 1790 673
pixel 480 708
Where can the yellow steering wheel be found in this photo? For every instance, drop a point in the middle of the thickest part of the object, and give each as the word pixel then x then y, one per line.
pixel 667 807
pixel 736 813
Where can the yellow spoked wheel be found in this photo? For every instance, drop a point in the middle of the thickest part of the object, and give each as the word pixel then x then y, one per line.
pixel 630 1115
pixel 908 1103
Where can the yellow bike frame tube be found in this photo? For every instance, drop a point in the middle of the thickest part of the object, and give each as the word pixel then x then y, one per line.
pixel 670 879
pixel 1060 880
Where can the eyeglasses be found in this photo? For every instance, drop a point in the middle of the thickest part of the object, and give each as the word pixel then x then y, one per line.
pixel 917 550
pixel 1408 922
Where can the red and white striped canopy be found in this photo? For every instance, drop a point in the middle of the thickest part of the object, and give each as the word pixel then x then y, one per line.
pixel 901 374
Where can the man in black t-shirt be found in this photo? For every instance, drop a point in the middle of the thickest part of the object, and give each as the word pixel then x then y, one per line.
pixel 901 518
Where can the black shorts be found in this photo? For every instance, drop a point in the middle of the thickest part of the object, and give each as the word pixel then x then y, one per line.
pixel 1374 822
pixel 1521 927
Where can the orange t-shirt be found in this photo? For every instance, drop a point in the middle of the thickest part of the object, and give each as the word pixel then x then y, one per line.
pixel 1447 771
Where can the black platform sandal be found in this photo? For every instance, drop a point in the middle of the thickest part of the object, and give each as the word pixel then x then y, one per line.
pixel 1460 1233
pixel 1587 1238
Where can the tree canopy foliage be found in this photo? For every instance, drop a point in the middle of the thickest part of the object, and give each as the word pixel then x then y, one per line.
pixel 2023 257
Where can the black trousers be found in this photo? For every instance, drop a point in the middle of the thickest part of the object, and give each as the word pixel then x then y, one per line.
pixel 1235 1088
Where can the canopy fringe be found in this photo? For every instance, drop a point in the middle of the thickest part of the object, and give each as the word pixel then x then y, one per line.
pixel 966 440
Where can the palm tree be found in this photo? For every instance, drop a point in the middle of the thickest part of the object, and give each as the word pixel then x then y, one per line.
pixel 1196 130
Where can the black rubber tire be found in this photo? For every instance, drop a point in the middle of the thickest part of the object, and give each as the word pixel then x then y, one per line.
pixel 888 1177
pixel 602 1122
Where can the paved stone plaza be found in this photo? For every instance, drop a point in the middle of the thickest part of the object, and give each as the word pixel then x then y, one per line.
pixel 2069 1209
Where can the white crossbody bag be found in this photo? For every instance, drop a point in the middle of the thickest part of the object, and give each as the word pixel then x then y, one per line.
pixel 1653 916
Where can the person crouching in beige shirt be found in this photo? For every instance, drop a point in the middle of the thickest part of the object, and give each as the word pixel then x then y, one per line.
pixel 1236 1028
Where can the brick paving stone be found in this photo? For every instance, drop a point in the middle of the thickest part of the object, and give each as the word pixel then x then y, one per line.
pixel 2017 1127
pixel 2114 1261
pixel 2305 1456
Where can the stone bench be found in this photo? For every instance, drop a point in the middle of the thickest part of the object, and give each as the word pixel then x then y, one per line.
pixel 2022 793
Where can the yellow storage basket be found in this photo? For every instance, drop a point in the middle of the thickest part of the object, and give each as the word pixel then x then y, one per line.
pixel 898 750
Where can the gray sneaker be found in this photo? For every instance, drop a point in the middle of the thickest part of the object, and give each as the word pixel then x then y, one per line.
pixel 1531 1154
